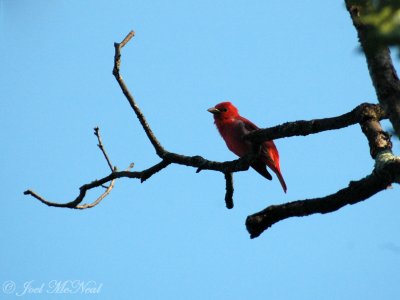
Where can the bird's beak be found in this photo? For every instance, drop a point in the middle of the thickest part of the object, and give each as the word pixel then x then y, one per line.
pixel 213 110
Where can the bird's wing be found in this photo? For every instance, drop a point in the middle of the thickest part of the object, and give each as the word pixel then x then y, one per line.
pixel 261 168
pixel 269 155
pixel 270 152
pixel 259 164
pixel 268 149
pixel 249 126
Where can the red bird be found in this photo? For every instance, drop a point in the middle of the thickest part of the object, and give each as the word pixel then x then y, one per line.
pixel 233 127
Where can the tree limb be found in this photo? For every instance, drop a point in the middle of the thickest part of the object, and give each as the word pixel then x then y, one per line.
pixel 301 128
pixel 356 191
pixel 380 66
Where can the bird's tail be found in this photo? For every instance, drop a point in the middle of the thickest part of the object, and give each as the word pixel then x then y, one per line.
pixel 271 159
pixel 278 173
pixel 281 180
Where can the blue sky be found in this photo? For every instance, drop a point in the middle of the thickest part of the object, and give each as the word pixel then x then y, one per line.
pixel 172 237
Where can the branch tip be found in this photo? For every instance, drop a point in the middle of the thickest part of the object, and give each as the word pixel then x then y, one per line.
pixel 128 37
pixel 229 190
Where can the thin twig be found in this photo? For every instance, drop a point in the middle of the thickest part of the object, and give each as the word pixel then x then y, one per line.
pixel 128 37
pixel 96 183
pixel 102 196
pixel 99 199
pixel 101 146
pixel 116 72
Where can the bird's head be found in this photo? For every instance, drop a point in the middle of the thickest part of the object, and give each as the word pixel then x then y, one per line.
pixel 224 111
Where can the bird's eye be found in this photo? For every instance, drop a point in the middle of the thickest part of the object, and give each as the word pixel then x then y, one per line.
pixel 224 110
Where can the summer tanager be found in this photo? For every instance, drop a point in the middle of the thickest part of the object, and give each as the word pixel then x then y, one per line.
pixel 233 127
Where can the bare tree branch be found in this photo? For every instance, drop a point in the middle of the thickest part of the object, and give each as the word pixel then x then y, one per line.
pixel 356 191
pixel 99 199
pixel 302 128
pixel 117 62
pixel 101 147
pixel 74 203
pixel 97 183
